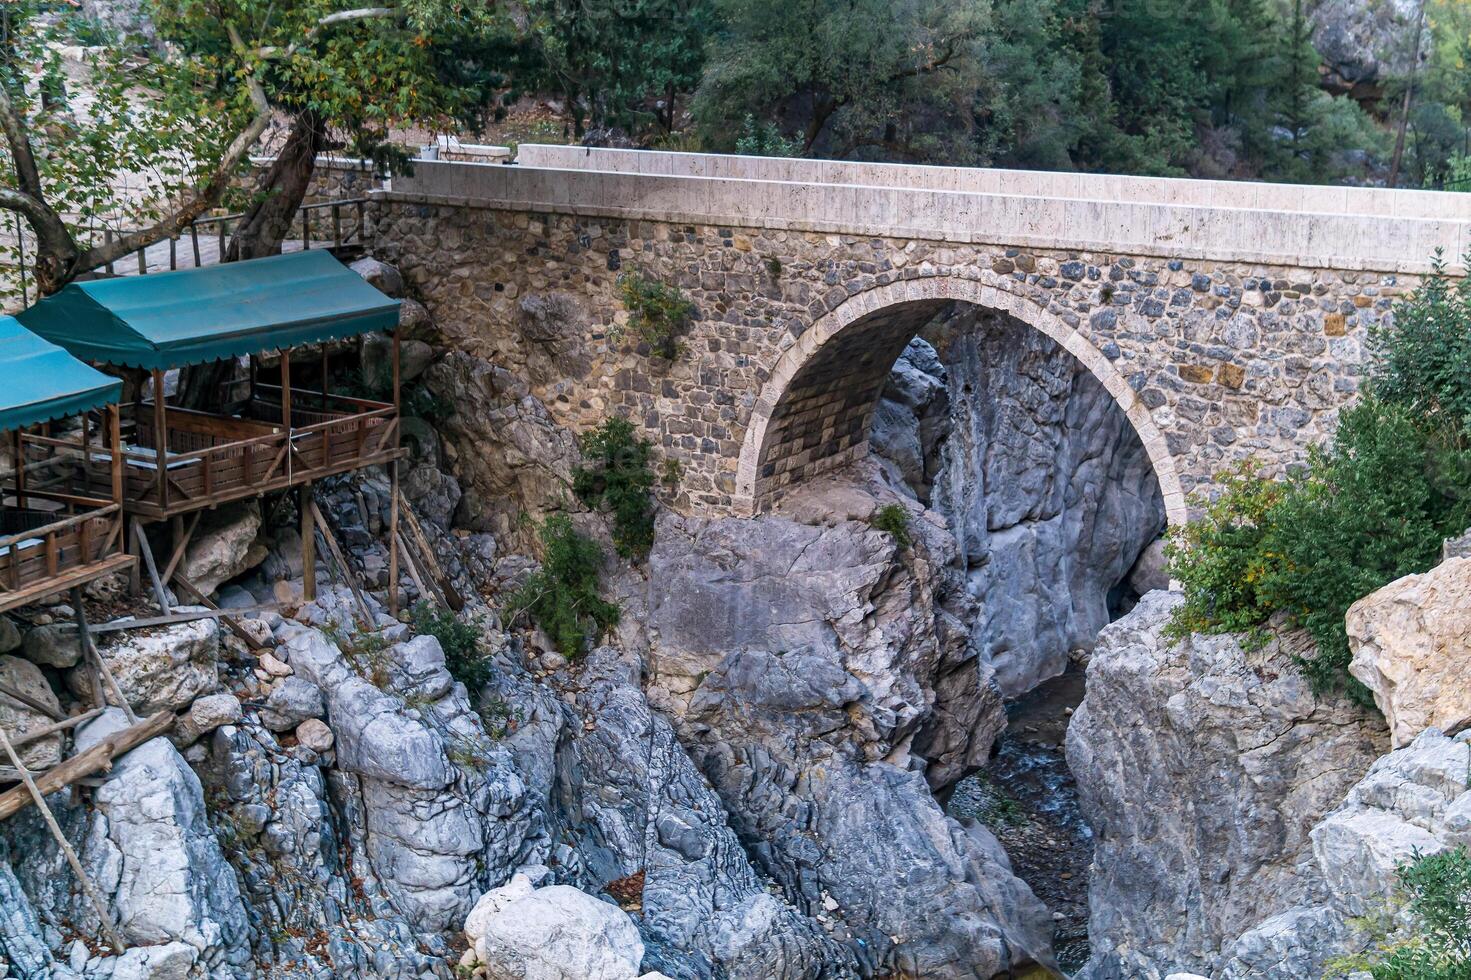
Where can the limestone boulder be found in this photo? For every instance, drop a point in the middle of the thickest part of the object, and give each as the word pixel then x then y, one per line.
pixel 18 718
pixel 552 933
pixel 205 715
pixel 1457 547
pixel 164 667
pixel 380 275
pixel 10 639
pixel 1411 643
pixel 292 701
pixel 150 848
pixel 224 545
pixel 1202 767
pixel 55 645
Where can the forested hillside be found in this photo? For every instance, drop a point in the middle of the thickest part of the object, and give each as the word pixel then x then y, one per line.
pixel 1293 90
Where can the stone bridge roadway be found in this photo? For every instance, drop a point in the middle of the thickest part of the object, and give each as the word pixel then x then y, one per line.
pixel 1227 319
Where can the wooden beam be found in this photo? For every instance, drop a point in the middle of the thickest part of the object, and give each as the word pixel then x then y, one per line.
pixel 115 442
pixel 228 617
pixel 95 759
pixel 193 615
pixel 393 540
pixel 36 734
pixel 35 704
pixel 347 572
pixel 453 599
pixel 71 856
pixel 308 508
pixel 181 543
pixel 158 590
pixel 160 439
pixel 90 650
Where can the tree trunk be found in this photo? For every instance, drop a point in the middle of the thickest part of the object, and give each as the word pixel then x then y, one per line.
pixel 269 219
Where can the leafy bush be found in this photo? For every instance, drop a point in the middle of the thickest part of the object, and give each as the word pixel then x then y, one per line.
pixel 658 312
pixel 562 598
pixel 1439 900
pixel 463 657
pixel 1370 508
pixel 892 519
pixel 1424 352
pixel 765 140
pixel 617 476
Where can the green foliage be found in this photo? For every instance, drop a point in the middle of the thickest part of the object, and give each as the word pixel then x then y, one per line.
pixel 616 475
pixel 1438 891
pixel 1223 558
pixel 1423 353
pixel 658 312
pixel 562 598
pixel 460 640
pixel 620 63
pixel 1370 508
pixel 764 139
pixel 366 652
pixel 893 520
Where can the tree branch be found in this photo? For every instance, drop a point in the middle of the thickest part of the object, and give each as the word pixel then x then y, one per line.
pixel 26 173
pixel 205 194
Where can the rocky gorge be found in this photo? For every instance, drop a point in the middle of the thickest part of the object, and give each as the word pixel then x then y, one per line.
pixel 751 775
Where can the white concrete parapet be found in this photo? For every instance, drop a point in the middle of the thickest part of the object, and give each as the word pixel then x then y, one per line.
pixel 1024 209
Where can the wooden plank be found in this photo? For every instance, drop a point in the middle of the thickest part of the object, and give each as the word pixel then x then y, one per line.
pixel 36 734
pixel 452 597
pixel 347 572
pixel 308 508
pixel 143 546
pixel 95 655
pixel 226 616
pixel 95 759
pixel 181 544
pixel 393 540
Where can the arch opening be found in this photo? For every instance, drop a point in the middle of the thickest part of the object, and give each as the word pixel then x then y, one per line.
pixel 816 409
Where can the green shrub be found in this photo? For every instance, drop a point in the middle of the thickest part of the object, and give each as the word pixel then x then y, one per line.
pixel 658 312
pixel 463 656
pixel 893 520
pixel 1222 558
pixel 562 598
pixel 1366 511
pixel 1438 887
pixel 1423 353
pixel 616 475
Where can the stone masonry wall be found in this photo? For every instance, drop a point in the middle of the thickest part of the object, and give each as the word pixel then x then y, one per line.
pixel 1225 360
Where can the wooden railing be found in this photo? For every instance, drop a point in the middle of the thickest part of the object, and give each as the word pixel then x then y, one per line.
pixel 212 459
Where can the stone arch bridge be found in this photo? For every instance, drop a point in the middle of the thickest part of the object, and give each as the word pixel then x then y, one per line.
pixel 1227 319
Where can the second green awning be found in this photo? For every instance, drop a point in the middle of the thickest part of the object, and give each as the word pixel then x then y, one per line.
pixel 174 319
pixel 44 382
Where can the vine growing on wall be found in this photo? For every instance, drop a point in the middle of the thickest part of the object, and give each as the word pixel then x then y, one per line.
pixel 658 313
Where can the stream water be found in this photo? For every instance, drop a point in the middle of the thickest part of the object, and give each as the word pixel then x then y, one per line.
pixel 1027 797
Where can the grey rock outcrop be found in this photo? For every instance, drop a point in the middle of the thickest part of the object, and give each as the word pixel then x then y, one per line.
pixel 554 933
pixel 18 718
pixel 224 545
pixel 1364 43
pixel 1202 767
pixel 1041 477
pixel 815 671
pixel 165 667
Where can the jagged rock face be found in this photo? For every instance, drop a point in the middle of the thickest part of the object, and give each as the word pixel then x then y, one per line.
pixel 18 718
pixel 1043 480
pixel 502 443
pixel 1411 643
pixel 1364 43
pixel 634 803
pixel 808 666
pixel 1201 768
pixel 162 668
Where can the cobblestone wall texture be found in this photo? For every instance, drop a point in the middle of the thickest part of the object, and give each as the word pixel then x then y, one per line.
pixel 1213 361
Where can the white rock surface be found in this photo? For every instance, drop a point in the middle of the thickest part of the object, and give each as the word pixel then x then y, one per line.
pixel 1411 644
pixel 225 545
pixel 552 933
pixel 162 667
pixel 18 718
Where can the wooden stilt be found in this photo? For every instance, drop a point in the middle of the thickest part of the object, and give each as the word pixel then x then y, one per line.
pixel 182 536
pixel 35 704
pixel 113 938
pixel 231 622
pixel 347 572
pixel 160 440
pixel 393 538
pixel 453 599
pixel 308 508
pixel 36 734
pixel 89 649
pixel 413 569
pixel 158 590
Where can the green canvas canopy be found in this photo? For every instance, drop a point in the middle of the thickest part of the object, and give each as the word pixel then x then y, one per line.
pixel 40 381
pixel 174 319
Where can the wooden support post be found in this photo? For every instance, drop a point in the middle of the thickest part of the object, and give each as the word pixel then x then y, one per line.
pixel 89 649
pixel 199 598
pixel 115 444
pixel 412 568
pixel 71 856
pixel 347 573
pixel 286 406
pixel 20 470
pixel 393 537
pixel 452 597
pixel 182 536
pixel 158 590
pixel 135 573
pixel 308 508
pixel 160 439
